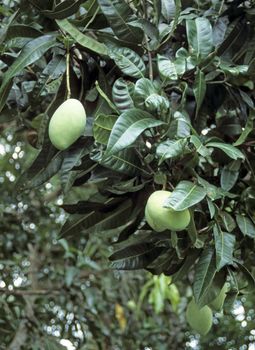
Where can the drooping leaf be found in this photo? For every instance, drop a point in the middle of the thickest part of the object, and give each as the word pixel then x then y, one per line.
pixel 185 195
pixel 205 271
pixel 224 247
pixel 28 55
pixel 200 38
pixel 84 40
pixel 128 127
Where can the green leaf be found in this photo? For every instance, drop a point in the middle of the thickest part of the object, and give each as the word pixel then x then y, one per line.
pixel 64 9
pixel 102 127
pixel 200 38
pixel 128 127
pixel 84 40
pixel 121 95
pixel 135 257
pixel 143 89
pixel 125 161
pixel 170 149
pixel 229 174
pixel 167 69
pixel 200 148
pixel 128 61
pixel 205 271
pixel 245 225
pixel 168 9
pixel 224 247
pixel 119 14
pixel 47 172
pixel 185 195
pixel 97 221
pixel 30 53
pixel 199 89
pixel 230 150
pixel 249 126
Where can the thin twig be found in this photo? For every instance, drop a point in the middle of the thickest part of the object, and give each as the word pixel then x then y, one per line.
pixel 68 87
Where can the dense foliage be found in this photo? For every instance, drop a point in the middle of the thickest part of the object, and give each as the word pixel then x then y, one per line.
pixel 168 88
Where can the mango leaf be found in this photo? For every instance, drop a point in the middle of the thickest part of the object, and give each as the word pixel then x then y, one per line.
pixel 121 95
pixel 170 149
pixel 166 68
pixel 245 225
pixel 30 53
pixel 230 150
pixel 118 14
pixel 229 174
pixel 128 61
pixel 205 271
pixel 185 195
pixel 143 89
pixel 135 257
pixel 200 148
pixel 168 9
pixel 199 89
pixel 97 220
pixel 102 127
pixel 200 38
pixel 250 285
pixel 64 9
pixel 125 161
pixel 46 172
pixel 227 220
pixel 247 129
pixel 224 247
pixel 84 40
pixel 128 127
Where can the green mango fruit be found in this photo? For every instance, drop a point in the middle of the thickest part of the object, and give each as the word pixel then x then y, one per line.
pixel 67 123
pixel 160 218
pixel 218 302
pixel 199 319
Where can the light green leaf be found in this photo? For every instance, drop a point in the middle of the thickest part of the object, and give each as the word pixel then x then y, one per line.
pixel 245 225
pixel 84 40
pixel 185 195
pixel 224 247
pixel 200 38
pixel 128 127
pixel 230 150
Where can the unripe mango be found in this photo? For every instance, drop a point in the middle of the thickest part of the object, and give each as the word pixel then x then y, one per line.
pixel 199 319
pixel 218 302
pixel 67 123
pixel 160 218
